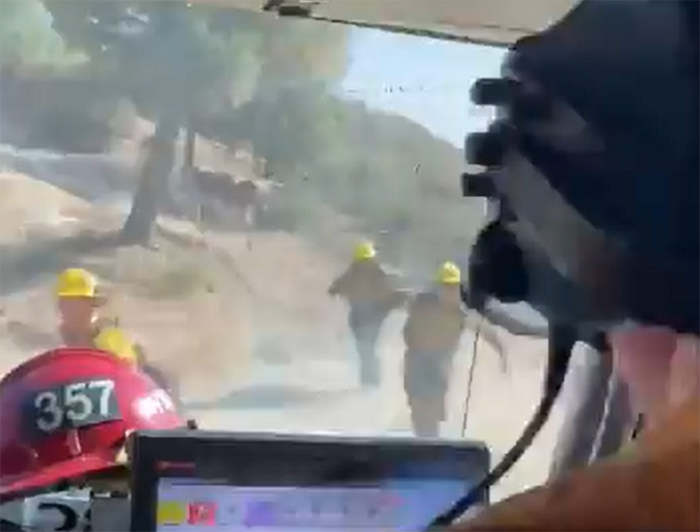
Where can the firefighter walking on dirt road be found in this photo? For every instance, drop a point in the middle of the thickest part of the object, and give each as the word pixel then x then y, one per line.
pixel 432 334
pixel 371 296
pixel 79 302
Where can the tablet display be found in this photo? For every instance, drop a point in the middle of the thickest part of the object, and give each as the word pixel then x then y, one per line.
pixel 191 505
pixel 260 484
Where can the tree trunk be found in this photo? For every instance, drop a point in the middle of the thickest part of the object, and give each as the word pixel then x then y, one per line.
pixel 190 145
pixel 153 182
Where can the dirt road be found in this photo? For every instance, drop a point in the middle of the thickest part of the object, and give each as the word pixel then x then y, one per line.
pixel 262 347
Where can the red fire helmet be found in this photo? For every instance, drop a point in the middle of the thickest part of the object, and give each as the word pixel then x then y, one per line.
pixel 66 413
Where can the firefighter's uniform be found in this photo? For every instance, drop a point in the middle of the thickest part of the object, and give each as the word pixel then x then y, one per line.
pixel 370 294
pixel 104 333
pixel 432 334
pixel 114 340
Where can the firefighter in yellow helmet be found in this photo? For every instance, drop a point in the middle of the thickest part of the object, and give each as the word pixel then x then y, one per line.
pixel 113 340
pixel 432 334
pixel 79 302
pixel 371 295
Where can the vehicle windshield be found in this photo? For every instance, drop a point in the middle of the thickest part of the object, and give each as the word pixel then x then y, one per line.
pixel 263 203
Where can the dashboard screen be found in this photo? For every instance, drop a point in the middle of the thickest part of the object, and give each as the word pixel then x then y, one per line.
pixel 403 504
pixel 194 480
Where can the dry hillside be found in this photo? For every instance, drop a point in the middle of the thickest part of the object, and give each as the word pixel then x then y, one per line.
pixel 245 323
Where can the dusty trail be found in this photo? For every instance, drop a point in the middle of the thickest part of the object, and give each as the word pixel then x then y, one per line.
pixel 263 348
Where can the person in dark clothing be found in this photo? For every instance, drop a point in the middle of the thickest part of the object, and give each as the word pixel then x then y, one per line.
pixel 598 419
pixel 365 323
pixel 371 296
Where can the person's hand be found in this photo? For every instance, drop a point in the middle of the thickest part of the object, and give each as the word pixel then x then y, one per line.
pixel 660 368
pixel 684 374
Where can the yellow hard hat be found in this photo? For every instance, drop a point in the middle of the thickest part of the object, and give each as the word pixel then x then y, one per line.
pixel 449 274
pixel 365 250
pixel 76 282
pixel 113 340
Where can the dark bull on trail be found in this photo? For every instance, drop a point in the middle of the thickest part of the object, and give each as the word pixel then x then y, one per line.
pixel 248 196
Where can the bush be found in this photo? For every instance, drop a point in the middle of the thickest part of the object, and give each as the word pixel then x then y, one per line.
pixel 180 281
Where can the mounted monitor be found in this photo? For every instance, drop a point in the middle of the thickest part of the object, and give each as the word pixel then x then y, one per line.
pixel 215 481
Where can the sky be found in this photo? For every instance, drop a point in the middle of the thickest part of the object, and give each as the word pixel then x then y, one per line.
pixel 428 81
pixel 423 79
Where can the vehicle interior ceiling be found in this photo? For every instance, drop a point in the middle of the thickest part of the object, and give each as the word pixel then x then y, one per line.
pixel 474 21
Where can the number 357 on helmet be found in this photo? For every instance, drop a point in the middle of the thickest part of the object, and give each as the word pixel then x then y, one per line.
pixel 65 415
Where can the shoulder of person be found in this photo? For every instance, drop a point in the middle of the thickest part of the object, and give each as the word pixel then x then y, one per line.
pixel 141 354
pixel 138 347
pixel 104 322
pixel 427 296
pixel 346 274
pixel 423 299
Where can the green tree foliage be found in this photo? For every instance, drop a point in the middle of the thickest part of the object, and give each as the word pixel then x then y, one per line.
pixel 27 37
pixel 385 171
pixel 212 58
pixel 182 63
pixel 241 76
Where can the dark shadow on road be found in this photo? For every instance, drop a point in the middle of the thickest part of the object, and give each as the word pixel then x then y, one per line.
pixel 25 265
pixel 266 397
pixel 88 176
